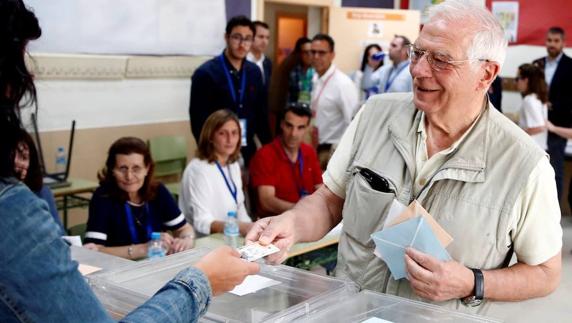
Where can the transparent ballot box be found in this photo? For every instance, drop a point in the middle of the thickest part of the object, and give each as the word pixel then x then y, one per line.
pixel 372 307
pixel 294 293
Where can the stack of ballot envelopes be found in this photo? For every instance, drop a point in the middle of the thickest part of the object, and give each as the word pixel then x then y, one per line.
pixel 413 227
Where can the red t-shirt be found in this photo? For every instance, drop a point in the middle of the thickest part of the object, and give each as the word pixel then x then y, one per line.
pixel 270 166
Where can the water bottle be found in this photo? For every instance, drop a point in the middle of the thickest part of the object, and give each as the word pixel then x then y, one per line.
pixel 231 230
pixel 156 248
pixel 61 160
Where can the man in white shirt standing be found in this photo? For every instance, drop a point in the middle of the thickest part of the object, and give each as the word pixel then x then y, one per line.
pixel 396 77
pixel 334 98
pixel 259 46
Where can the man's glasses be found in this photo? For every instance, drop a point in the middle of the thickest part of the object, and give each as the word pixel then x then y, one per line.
pixel 319 52
pixel 438 62
pixel 238 39
pixel 136 171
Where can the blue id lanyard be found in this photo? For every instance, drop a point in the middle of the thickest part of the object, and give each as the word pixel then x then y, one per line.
pixel 300 186
pixel 390 79
pixel 131 223
pixel 231 83
pixel 229 182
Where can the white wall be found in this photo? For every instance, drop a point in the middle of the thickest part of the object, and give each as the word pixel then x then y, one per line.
pixel 108 103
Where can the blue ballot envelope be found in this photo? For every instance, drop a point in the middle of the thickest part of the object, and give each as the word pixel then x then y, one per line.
pixel 390 244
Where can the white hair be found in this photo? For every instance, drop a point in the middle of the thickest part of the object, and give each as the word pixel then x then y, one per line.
pixel 488 35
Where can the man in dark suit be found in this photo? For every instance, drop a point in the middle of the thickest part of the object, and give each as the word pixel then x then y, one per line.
pixel 229 81
pixel 557 68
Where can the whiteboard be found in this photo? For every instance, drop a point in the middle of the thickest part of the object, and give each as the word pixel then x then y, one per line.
pixel 127 27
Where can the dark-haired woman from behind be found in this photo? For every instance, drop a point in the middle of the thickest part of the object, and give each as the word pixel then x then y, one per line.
pixel 129 205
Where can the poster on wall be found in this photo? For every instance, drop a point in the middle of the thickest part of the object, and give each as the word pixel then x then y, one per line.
pixel 375 30
pixel 422 5
pixel 507 14
pixel 148 27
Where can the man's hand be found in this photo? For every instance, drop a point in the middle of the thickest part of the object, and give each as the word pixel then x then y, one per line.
pixel 167 240
pixel 225 269
pixel 437 280
pixel 278 230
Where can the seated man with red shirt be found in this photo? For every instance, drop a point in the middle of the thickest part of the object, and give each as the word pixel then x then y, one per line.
pixel 285 170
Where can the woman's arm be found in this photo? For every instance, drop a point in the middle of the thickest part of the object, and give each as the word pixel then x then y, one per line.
pixel 561 131
pixel 184 239
pixel 131 252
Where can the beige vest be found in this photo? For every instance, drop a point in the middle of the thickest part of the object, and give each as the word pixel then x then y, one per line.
pixel 471 195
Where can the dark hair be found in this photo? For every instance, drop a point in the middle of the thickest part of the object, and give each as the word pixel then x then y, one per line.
pixel 298 108
pixel 327 39
pixel 18 26
pixel 536 81
pixel 366 56
pixel 299 43
pixel 239 21
pixel 127 146
pixel 405 40
pixel 258 23
pixel 34 176
pixel 557 30
pixel 205 148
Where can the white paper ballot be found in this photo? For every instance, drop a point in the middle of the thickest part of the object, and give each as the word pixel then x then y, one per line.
pixel 376 320
pixel 252 284
pixel 87 269
pixel 73 240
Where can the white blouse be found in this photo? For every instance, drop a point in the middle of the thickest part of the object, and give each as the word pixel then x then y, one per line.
pixel 204 196
pixel 533 113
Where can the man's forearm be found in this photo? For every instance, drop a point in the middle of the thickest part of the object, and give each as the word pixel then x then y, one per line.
pixel 317 214
pixel 275 205
pixel 522 281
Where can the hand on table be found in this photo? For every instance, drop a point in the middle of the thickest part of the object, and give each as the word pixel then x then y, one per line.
pixel 181 244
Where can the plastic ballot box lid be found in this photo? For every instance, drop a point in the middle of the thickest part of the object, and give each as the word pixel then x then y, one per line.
pixel 371 307
pixel 291 293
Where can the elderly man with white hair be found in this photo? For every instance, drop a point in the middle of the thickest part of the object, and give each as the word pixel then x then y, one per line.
pixel 482 178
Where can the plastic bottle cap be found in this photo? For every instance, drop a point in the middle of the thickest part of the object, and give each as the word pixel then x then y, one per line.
pixel 231 214
pixel 60 149
pixel 155 235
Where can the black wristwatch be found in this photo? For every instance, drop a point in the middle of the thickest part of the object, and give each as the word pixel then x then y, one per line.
pixel 478 293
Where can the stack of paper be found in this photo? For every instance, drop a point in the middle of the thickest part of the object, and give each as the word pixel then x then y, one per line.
pixel 415 228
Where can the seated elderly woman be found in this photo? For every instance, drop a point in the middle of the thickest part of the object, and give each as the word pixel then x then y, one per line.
pixel 211 185
pixel 129 205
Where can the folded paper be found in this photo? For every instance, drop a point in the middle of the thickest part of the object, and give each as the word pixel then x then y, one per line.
pixel 390 244
pixel 415 209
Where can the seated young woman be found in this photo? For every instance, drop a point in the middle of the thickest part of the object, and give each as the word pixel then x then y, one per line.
pixel 129 205
pixel 211 185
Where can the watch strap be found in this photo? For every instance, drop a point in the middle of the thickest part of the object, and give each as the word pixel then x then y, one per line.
pixel 479 291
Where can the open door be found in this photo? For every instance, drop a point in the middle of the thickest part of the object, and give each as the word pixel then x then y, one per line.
pixel 290 27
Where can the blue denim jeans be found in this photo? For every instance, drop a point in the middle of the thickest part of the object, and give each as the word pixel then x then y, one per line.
pixel 40 283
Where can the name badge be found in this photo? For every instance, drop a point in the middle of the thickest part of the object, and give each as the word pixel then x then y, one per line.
pixel 243 124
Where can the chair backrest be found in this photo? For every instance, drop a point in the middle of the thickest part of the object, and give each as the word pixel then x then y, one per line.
pixel 169 154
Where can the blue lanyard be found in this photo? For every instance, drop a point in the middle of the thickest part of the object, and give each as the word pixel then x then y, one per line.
pixel 231 188
pixel 390 80
pixel 231 83
pixel 301 190
pixel 131 223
